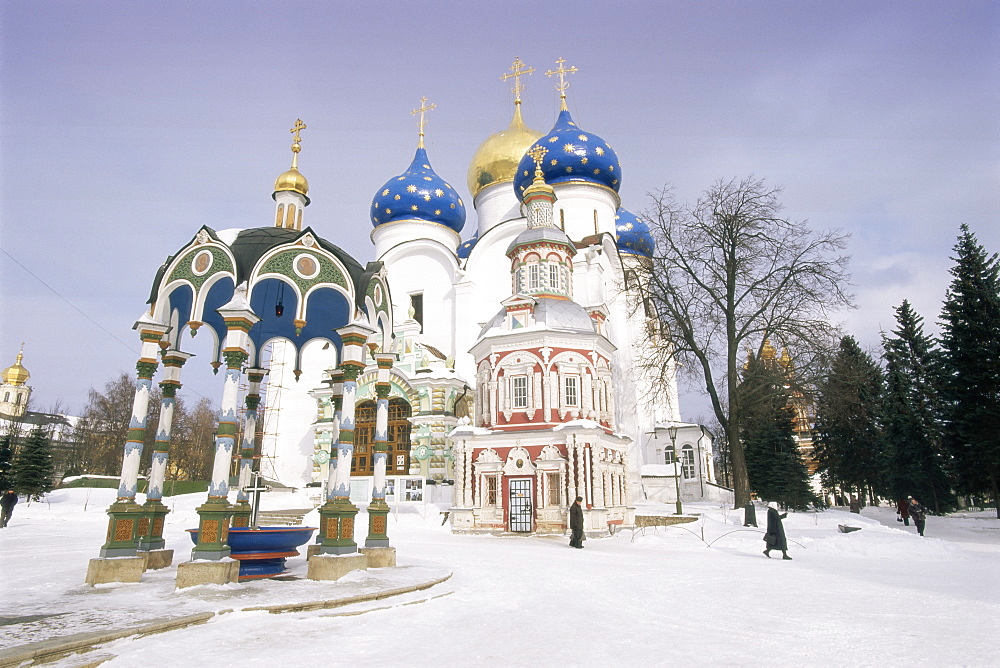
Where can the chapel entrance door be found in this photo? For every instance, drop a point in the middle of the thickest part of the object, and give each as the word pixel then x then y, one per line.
pixel 520 506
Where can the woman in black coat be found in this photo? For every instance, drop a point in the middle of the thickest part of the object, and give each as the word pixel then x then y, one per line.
pixel 576 524
pixel 775 536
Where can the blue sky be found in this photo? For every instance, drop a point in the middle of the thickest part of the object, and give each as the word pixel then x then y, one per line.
pixel 128 125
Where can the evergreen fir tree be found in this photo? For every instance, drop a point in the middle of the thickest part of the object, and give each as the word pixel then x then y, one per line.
pixel 33 467
pixel 6 462
pixel 774 463
pixel 849 442
pixel 914 414
pixel 971 347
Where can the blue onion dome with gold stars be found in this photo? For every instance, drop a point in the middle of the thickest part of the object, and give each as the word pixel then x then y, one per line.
pixel 632 235
pixel 573 155
pixel 466 247
pixel 418 194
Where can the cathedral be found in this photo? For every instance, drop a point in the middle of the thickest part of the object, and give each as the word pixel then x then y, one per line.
pixel 492 365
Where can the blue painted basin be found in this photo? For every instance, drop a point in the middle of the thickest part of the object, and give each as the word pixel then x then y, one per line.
pixel 262 551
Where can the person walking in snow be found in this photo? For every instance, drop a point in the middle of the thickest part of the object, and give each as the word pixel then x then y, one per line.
pixel 775 536
pixel 576 524
pixel 919 514
pixel 903 510
pixel 7 502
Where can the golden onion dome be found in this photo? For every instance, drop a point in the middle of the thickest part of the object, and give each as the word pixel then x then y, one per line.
pixel 17 374
pixel 292 180
pixel 496 159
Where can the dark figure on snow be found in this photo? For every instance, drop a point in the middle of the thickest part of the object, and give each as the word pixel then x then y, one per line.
pixel 918 513
pixel 903 510
pixel 855 505
pixel 775 536
pixel 7 502
pixel 576 524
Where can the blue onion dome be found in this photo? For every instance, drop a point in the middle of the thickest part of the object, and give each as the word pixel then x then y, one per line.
pixel 633 235
pixel 418 194
pixel 466 248
pixel 573 155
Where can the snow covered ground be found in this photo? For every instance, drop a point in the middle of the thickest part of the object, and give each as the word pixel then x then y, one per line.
pixel 881 596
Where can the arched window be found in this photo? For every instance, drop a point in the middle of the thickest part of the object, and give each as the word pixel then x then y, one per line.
pixel 687 462
pixel 398 438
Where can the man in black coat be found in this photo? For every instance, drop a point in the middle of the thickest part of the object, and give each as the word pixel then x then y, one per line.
pixel 919 514
pixel 7 502
pixel 775 536
pixel 576 524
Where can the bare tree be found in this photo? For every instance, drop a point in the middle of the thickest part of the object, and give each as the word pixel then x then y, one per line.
pixel 729 273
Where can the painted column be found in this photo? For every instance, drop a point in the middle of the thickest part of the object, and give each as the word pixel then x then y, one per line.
pixel 125 513
pixel 215 514
pixel 378 509
pixel 242 510
pixel 151 525
pixel 337 384
pixel 337 515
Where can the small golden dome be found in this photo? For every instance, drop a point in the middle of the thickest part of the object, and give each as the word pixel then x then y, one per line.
pixel 17 374
pixel 495 161
pixel 292 180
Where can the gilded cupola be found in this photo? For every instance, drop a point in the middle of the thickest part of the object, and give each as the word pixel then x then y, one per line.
pixel 16 374
pixel 292 180
pixel 496 159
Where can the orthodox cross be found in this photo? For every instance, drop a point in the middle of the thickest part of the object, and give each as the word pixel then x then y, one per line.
pixel 256 488
pixel 517 70
pixel 537 154
pixel 296 146
pixel 563 84
pixel 296 129
pixel 424 107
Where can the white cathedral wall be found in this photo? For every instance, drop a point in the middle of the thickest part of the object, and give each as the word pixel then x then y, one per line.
pixel 494 205
pixel 578 203
pixel 290 412
pixel 424 266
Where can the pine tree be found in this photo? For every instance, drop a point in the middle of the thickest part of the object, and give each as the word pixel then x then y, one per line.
pixel 33 467
pixel 774 463
pixel 6 462
pixel 914 414
pixel 849 441
pixel 971 346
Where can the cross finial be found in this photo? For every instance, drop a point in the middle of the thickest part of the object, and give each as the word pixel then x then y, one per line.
pixel 563 84
pixel 296 146
pixel 424 108
pixel 517 70
pixel 537 153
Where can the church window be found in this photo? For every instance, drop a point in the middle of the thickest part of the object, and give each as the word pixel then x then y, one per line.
pixel 417 306
pixel 6 396
pixel 649 307
pixel 553 484
pixel 490 491
pixel 281 214
pixel 562 220
pixel 290 217
pixel 553 276
pixel 687 462
pixel 519 391
pixel 534 277
pixel 17 399
pixel 668 456
pixel 572 395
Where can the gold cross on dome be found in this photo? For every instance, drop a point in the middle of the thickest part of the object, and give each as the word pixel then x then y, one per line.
pixel 296 129
pixel 517 70
pixel 424 108
pixel 537 153
pixel 563 84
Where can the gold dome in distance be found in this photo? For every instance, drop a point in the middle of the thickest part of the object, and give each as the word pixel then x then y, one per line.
pixel 496 159
pixel 17 374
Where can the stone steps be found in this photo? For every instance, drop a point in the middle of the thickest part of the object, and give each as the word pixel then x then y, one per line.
pixel 285 517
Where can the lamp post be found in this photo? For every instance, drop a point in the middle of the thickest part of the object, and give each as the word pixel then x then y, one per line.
pixel 672 430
